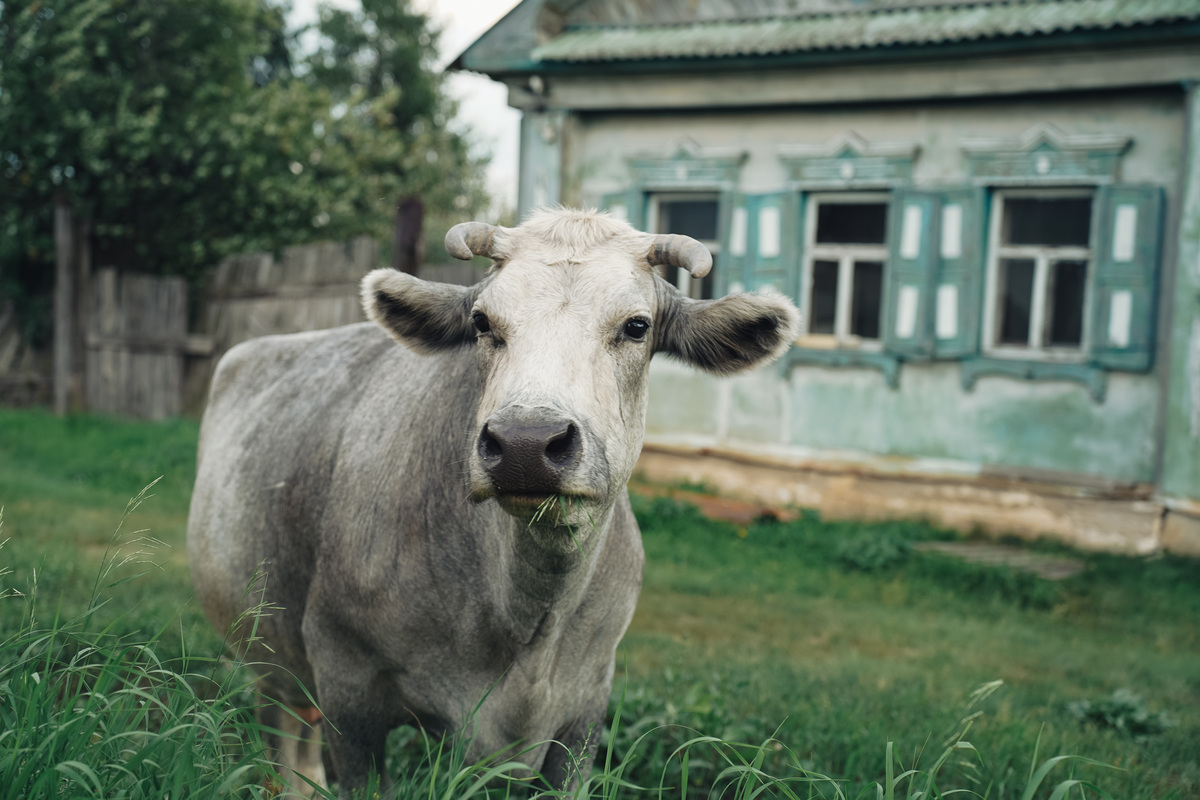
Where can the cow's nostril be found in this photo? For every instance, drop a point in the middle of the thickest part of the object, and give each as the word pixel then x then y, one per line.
pixel 561 446
pixel 489 447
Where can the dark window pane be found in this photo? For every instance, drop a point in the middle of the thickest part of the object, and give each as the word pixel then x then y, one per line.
pixel 851 223
pixel 1065 298
pixel 1055 221
pixel 695 218
pixel 823 308
pixel 867 301
pixel 1016 300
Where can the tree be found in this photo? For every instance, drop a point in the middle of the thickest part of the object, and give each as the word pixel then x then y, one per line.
pixel 180 128
pixel 378 65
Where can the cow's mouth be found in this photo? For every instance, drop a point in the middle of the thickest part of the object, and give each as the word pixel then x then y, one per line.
pixel 526 500
pixel 549 508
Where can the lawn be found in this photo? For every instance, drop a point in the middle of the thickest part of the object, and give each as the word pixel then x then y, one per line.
pixel 834 637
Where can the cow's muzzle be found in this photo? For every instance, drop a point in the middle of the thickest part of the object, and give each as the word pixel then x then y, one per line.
pixel 527 453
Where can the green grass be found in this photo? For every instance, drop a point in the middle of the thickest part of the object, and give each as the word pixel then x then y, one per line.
pixel 822 646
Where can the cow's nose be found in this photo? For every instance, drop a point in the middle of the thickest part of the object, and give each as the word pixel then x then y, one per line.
pixel 528 455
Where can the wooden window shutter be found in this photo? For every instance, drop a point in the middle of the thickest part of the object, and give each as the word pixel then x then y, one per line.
pixel 908 286
pixel 731 261
pixel 960 239
pixel 772 235
pixel 1127 236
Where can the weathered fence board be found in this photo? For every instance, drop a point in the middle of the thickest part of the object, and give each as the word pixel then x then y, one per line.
pixel 138 358
pixel 137 345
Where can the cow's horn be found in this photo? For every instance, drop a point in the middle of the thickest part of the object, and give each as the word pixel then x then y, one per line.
pixel 680 251
pixel 467 239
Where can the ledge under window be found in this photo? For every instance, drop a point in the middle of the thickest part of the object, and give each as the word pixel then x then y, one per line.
pixel 1094 378
pixel 889 365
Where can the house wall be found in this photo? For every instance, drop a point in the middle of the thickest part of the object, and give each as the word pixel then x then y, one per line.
pixel 1180 482
pixel 1153 117
pixel 928 422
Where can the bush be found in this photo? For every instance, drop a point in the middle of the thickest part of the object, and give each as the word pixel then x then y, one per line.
pixel 1124 711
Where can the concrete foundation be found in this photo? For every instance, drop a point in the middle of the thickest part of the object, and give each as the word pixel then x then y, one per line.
pixel 1116 518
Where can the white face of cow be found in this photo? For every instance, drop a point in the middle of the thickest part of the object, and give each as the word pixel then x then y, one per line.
pixel 564 327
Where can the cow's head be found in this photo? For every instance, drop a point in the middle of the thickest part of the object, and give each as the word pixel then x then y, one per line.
pixel 564 326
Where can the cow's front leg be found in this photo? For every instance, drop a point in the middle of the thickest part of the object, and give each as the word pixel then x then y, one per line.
pixel 570 757
pixel 354 693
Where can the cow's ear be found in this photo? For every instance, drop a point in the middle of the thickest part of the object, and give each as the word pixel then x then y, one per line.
pixel 424 315
pixel 727 335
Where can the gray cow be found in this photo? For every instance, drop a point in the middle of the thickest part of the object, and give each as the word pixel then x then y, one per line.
pixel 446 522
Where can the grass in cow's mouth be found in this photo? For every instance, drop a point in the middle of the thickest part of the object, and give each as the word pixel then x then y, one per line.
pixel 738 629
pixel 560 506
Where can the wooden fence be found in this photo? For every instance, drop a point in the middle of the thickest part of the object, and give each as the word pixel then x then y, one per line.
pixel 136 345
pixel 140 360
pixel 310 287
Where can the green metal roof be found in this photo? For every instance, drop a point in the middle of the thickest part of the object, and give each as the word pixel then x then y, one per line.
pixel 853 29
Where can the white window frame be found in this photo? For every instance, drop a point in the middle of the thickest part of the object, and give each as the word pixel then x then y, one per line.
pixel 683 280
pixel 845 255
pixel 1042 256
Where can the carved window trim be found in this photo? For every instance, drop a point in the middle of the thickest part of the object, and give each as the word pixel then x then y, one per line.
pixel 848 161
pixel 686 166
pixel 1044 155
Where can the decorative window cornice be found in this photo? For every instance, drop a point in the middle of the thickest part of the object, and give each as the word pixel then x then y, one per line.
pixel 849 161
pixel 685 164
pixel 1044 154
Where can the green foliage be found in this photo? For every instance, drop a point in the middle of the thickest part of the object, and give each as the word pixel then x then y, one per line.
pixel 87 712
pixel 870 552
pixel 182 131
pixel 1124 711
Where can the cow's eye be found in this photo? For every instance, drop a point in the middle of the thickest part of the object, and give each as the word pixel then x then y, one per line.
pixel 480 320
pixel 637 328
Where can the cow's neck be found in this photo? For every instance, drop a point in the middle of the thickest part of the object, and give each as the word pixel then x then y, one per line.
pixel 543 584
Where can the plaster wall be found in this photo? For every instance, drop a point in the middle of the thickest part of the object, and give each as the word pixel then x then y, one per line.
pixel 1181 461
pixel 926 424
pixel 928 421
pixel 1152 117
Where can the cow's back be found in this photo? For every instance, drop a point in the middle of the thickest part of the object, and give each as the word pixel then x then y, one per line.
pixel 285 414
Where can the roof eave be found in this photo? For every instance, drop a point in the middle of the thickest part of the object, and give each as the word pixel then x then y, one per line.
pixel 990 46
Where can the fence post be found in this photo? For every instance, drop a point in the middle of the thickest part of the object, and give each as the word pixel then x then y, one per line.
pixel 64 301
pixel 82 314
pixel 406 236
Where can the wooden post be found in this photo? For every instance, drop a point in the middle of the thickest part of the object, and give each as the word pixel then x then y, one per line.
pixel 64 301
pixel 406 236
pixel 81 316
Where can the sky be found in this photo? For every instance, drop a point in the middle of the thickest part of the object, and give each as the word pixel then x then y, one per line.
pixel 483 106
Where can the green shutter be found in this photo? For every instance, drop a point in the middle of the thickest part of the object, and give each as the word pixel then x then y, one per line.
pixel 1127 238
pixel 772 234
pixel 731 261
pixel 908 287
pixel 956 306
pixel 629 205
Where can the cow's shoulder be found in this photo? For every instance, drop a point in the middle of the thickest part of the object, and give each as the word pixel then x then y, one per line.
pixel 257 364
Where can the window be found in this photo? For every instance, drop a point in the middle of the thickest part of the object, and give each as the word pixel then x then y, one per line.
pixel 844 264
pixel 1039 275
pixel 688 214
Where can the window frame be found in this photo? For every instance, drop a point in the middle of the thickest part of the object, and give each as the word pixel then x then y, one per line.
pixel 845 255
pixel 683 280
pixel 1042 256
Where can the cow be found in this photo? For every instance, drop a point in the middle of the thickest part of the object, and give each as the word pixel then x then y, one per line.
pixel 433 503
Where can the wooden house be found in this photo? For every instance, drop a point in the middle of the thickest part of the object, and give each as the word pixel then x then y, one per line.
pixel 988 213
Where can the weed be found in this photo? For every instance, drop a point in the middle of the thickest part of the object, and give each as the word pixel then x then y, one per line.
pixel 870 552
pixel 1124 711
